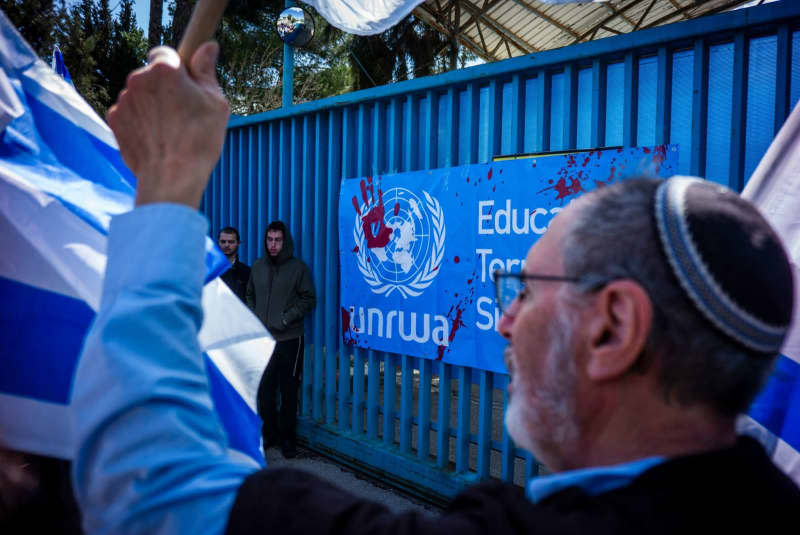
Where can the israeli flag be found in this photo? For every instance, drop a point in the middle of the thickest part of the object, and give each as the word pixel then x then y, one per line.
pixel 61 181
pixel 369 17
pixel 59 66
pixel 774 187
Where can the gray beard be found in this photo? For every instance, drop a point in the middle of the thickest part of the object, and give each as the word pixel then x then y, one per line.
pixel 543 420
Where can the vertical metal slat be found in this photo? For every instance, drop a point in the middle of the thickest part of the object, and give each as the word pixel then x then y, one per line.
pixel 406 402
pixel 663 95
pixel 517 114
pixel 782 76
pixel 443 417
pixel 495 121
pixel 699 108
pixel 424 410
pixel 389 395
pixel 544 84
pixel 410 134
pixel 630 104
pixel 570 124
pixel 507 445
pixel 320 167
pixel 484 424
pixel 739 112
pixel 373 393
pixel 331 264
pixel 598 135
pixel 462 431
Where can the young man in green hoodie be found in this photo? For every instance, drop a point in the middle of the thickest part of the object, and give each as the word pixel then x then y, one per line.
pixel 280 292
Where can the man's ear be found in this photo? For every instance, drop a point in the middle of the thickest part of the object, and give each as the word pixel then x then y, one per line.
pixel 622 316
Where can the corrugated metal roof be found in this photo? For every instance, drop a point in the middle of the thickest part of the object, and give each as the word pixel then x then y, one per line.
pixel 499 29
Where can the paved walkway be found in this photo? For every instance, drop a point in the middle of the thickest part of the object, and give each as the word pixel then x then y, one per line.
pixel 347 479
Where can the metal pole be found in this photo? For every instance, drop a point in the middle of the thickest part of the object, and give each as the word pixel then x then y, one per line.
pixel 288 69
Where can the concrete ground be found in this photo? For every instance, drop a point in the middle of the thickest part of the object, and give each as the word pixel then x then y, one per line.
pixel 347 479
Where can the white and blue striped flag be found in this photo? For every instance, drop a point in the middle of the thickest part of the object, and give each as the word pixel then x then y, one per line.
pixel 59 66
pixel 774 187
pixel 370 17
pixel 61 180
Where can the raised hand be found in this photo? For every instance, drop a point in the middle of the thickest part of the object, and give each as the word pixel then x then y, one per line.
pixel 170 125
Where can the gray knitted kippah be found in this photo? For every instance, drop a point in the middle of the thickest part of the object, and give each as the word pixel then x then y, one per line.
pixel 728 260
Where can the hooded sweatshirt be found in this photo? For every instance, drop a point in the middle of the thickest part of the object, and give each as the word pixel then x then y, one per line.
pixel 280 291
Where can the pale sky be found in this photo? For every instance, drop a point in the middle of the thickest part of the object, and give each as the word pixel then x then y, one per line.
pixel 143 13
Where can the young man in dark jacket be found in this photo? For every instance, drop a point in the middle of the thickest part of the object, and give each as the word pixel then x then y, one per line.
pixel 238 274
pixel 280 292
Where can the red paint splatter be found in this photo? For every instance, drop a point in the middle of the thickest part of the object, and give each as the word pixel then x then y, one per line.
pixel 613 171
pixel 585 161
pixel 440 352
pixel 434 269
pixel 363 191
pixel 565 190
pixel 396 208
pixel 534 164
pixel 355 205
pixel 355 249
pixel 646 150
pixel 550 181
pixel 456 259
pixel 467 180
pixel 660 154
pixel 570 161
pixel 345 320
pixel 457 323
pixel 619 150
pixel 469 281
pixel 489 176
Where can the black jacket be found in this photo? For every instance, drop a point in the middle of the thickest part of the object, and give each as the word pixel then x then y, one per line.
pixel 280 291
pixel 735 490
pixel 236 278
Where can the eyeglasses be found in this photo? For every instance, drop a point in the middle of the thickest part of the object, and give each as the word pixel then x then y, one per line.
pixel 508 286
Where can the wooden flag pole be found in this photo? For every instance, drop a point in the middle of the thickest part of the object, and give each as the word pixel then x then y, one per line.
pixel 202 26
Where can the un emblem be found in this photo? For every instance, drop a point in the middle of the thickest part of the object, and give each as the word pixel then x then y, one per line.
pixel 400 241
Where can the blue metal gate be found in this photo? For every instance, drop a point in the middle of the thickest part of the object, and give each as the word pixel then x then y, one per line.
pixel 719 87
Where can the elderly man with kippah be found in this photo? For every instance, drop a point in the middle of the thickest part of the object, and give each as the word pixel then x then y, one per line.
pixel 643 322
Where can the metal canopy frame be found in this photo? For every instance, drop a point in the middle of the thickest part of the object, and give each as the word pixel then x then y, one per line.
pixel 499 29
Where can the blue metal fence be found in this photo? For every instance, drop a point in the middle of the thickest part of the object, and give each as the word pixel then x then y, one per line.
pixel 719 87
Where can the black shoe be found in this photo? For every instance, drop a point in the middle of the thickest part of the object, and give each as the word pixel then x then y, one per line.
pixel 289 449
pixel 269 442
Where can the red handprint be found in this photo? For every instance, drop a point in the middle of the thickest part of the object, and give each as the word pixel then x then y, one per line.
pixel 373 219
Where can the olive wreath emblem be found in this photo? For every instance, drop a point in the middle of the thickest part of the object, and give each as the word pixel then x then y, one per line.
pixel 425 276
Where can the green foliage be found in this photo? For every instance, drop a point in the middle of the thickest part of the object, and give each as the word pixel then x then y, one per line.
pixel 35 20
pixel 99 49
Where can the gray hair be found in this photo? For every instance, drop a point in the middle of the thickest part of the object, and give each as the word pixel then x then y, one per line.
pixel 613 235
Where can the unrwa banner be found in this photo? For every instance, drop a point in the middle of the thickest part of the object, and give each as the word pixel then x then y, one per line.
pixel 418 250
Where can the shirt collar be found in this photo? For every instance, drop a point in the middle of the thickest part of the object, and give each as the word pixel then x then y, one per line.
pixel 592 480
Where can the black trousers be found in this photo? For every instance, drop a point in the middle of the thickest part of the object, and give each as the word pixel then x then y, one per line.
pixel 282 375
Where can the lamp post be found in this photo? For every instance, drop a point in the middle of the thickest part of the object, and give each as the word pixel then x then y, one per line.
pixel 288 69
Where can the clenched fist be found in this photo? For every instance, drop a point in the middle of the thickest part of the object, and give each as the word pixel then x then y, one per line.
pixel 170 125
